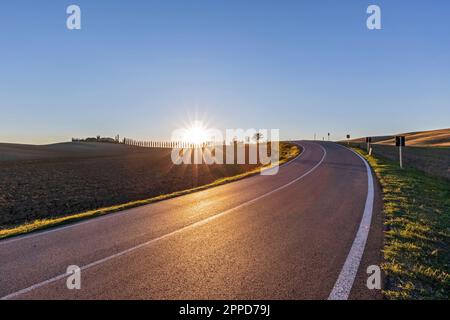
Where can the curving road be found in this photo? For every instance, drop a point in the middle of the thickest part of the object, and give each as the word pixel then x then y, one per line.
pixel 288 236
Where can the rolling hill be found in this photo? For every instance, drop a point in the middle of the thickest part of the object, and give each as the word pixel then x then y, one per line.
pixel 432 138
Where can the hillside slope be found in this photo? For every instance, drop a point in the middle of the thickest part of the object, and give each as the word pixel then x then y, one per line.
pixel 432 138
pixel 19 152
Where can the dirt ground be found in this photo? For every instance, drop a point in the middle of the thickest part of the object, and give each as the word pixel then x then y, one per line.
pixel 50 181
pixel 434 161
pixel 428 151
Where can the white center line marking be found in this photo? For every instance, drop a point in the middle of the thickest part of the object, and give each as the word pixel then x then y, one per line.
pixel 194 225
pixel 344 283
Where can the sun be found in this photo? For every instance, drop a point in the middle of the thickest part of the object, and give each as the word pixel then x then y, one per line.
pixel 196 133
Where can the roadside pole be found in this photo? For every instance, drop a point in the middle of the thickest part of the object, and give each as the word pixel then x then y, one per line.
pixel 368 141
pixel 400 142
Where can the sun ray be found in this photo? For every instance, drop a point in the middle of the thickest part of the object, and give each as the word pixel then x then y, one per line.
pixel 195 133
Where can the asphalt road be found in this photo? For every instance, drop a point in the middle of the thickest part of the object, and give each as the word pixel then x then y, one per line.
pixel 286 236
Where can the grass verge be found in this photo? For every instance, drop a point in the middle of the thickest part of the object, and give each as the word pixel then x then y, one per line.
pixel 287 152
pixel 417 237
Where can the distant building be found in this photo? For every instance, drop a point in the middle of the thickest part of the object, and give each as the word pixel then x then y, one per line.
pixel 97 139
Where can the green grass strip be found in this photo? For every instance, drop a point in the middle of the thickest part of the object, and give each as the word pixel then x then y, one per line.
pixel 417 237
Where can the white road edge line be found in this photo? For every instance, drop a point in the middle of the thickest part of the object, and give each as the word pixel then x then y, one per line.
pixel 344 283
pixel 111 215
pixel 194 225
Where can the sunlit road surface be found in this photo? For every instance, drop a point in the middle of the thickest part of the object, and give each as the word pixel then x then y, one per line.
pixel 266 237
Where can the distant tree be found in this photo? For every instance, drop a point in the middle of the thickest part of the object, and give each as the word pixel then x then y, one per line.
pixel 257 137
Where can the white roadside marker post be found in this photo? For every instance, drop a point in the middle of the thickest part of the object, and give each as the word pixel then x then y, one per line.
pixel 400 142
pixel 368 141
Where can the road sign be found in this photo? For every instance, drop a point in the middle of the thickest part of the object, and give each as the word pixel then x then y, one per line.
pixel 400 141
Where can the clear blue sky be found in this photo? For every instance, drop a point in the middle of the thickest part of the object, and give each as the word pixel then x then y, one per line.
pixel 141 68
